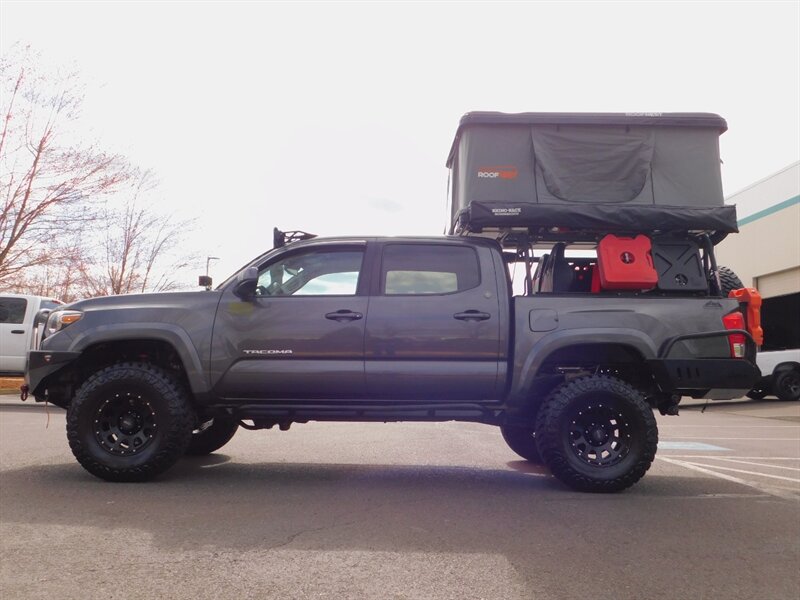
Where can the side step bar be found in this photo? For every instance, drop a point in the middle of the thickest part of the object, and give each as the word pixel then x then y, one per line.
pixel 362 412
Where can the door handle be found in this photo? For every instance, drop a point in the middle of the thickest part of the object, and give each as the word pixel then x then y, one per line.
pixel 344 315
pixel 17 331
pixel 472 315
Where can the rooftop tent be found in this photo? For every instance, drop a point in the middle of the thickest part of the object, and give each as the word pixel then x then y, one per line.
pixel 591 171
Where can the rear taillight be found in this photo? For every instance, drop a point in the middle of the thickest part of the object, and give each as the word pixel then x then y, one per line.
pixel 736 341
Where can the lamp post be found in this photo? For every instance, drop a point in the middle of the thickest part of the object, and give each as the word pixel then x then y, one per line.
pixel 206 281
pixel 208 260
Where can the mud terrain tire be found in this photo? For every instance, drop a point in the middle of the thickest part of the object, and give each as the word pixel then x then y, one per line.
pixel 597 434
pixel 129 422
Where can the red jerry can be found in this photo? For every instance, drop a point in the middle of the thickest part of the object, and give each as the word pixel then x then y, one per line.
pixel 626 263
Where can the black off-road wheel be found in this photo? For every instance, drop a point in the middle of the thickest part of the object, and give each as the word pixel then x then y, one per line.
pixel 522 440
pixel 597 434
pixel 129 422
pixel 212 436
pixel 787 384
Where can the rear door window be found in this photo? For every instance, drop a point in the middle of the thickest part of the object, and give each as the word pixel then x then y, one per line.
pixel 428 269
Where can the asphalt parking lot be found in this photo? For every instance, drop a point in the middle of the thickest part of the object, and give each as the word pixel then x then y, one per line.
pixel 412 510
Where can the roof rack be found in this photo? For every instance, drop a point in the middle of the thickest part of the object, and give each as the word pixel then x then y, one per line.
pixel 281 238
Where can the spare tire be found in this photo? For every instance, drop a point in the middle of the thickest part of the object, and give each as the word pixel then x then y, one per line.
pixel 728 281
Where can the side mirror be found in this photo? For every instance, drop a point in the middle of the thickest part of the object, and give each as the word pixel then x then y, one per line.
pixel 204 281
pixel 246 283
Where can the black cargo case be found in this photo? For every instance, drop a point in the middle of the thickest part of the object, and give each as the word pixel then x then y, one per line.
pixel 609 172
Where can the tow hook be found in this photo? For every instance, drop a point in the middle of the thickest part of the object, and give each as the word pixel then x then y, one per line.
pixel 23 392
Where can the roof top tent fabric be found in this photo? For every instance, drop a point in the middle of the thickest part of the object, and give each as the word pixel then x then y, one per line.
pixel 590 171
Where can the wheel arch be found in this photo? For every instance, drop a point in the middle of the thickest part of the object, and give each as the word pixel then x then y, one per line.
pixel 578 346
pixel 121 340
pixel 158 347
pixel 788 365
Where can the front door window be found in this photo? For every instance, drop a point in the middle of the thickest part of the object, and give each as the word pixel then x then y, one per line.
pixel 315 273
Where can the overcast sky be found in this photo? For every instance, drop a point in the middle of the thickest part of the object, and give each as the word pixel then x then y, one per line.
pixel 337 118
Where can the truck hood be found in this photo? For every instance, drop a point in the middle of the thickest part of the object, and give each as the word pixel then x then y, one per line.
pixel 154 300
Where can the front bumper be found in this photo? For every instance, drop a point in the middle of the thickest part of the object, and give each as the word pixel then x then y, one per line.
pixel 42 365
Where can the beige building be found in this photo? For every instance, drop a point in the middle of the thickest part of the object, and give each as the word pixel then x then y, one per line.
pixel 766 251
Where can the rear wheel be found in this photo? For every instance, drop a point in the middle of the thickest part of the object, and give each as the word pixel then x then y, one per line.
pixel 212 437
pixel 787 384
pixel 597 434
pixel 522 440
pixel 129 422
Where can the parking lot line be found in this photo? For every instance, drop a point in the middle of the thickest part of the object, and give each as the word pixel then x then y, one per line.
pixel 795 458
pixel 667 445
pixel 743 472
pixel 767 489
pixel 698 437
pixel 755 464
pixel 676 425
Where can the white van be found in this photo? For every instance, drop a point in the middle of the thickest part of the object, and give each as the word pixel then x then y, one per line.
pixel 17 314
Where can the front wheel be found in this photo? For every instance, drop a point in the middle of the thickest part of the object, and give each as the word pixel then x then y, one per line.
pixel 597 434
pixel 129 422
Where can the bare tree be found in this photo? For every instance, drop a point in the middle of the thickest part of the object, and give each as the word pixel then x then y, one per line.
pixel 61 278
pixel 48 183
pixel 135 249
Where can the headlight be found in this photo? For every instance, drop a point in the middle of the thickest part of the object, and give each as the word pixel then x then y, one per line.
pixel 59 319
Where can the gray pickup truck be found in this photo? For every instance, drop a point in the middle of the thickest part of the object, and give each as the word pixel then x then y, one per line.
pixel 384 329
pixel 625 312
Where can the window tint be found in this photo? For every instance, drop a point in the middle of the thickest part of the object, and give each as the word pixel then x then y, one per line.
pixel 312 273
pixel 428 269
pixel 12 310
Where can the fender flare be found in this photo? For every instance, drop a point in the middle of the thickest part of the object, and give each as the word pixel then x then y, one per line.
pixel 164 332
pixel 544 347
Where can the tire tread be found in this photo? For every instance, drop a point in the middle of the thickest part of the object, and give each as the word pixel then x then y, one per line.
pixel 549 433
pixel 182 419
